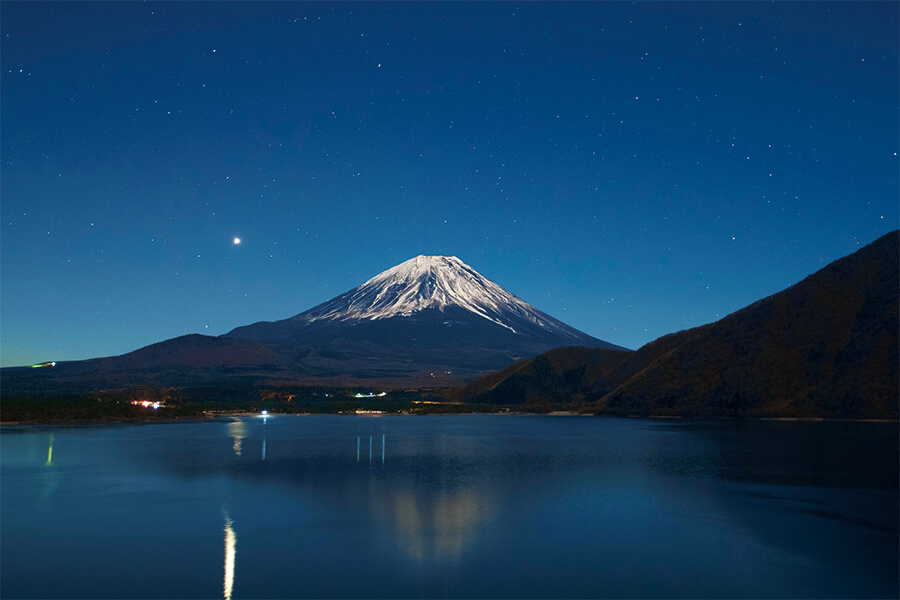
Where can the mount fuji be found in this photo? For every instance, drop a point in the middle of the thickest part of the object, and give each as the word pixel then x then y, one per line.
pixel 430 320
pixel 428 315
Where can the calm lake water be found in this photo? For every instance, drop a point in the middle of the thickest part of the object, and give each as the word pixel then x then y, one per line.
pixel 463 506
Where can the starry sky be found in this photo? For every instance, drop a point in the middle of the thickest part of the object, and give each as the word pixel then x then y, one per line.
pixel 632 169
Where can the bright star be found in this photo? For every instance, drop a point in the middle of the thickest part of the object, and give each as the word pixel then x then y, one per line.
pixel 237 241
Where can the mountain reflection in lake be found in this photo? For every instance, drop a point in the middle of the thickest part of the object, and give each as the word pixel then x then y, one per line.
pixel 469 506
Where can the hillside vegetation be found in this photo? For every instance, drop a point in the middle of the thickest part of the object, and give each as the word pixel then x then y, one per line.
pixel 825 347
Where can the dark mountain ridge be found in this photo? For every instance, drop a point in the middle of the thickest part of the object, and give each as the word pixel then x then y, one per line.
pixel 824 347
pixel 186 360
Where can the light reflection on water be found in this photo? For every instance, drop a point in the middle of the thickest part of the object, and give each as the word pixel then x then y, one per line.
pixel 230 551
pixel 456 507
pixel 238 432
pixel 49 477
pixel 358 443
pixel 49 462
pixel 265 436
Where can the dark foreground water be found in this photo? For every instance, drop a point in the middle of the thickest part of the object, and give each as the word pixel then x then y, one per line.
pixel 468 506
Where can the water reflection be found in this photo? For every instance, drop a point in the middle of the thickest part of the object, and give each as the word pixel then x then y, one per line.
pixel 433 520
pixel 467 507
pixel 238 431
pixel 230 550
pixel 358 442
pixel 265 437
pixel 50 479
pixel 436 526
pixel 822 454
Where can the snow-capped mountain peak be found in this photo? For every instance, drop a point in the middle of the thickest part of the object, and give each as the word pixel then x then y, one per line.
pixel 427 313
pixel 427 282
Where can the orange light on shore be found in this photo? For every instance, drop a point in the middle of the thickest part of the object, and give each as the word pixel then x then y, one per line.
pixel 147 404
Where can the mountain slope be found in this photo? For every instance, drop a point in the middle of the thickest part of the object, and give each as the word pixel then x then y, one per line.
pixel 827 347
pixel 430 313
pixel 561 374
pixel 189 359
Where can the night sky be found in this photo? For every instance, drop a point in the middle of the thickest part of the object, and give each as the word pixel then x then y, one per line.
pixel 631 169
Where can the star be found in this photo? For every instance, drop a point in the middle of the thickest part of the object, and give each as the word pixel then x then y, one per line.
pixel 237 241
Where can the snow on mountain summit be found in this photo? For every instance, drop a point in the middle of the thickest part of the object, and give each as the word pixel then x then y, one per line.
pixel 427 313
pixel 427 282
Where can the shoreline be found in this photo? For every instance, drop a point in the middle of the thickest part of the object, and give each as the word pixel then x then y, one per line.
pixel 209 416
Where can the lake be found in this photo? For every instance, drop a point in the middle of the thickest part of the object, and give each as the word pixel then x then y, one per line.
pixel 513 506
